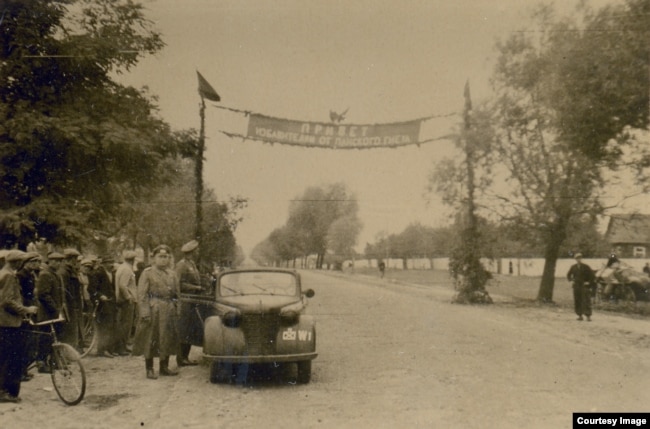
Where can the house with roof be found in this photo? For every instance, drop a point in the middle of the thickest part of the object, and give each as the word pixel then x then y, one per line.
pixel 629 235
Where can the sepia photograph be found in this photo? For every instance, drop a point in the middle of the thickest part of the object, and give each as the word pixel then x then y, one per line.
pixel 324 214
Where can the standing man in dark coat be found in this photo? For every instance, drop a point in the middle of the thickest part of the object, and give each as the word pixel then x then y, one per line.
pixel 12 313
pixel 190 282
pixel 582 277
pixel 101 287
pixel 73 297
pixel 51 304
pixel 26 276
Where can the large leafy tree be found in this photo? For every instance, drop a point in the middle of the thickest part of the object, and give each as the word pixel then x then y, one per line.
pixel 74 144
pixel 561 115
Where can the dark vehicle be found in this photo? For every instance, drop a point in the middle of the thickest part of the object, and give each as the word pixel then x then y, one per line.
pixel 627 283
pixel 251 316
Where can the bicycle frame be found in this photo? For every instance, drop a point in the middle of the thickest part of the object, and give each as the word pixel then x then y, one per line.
pixel 68 373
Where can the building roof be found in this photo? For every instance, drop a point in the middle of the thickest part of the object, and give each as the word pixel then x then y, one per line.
pixel 629 228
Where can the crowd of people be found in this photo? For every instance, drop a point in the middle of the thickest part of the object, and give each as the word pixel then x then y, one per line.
pixel 136 307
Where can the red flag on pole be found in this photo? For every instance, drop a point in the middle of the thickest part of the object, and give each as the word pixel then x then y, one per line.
pixel 206 90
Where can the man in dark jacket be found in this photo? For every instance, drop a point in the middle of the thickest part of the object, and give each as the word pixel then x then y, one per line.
pixel 101 287
pixel 582 277
pixel 49 292
pixel 73 298
pixel 12 313
pixel 26 276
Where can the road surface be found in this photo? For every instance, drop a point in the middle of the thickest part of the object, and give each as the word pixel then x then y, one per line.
pixel 390 356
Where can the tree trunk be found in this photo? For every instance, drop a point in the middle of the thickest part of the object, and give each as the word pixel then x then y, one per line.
pixel 545 293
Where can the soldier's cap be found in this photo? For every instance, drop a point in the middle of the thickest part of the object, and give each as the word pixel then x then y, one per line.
pixel 71 253
pixel 15 255
pixel 189 246
pixel 163 248
pixel 55 255
pixel 577 255
pixel 129 254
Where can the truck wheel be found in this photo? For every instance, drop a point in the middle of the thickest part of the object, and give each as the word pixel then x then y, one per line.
pixel 304 371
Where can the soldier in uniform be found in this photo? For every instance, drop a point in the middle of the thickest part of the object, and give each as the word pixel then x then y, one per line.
pixel 190 282
pixel 157 330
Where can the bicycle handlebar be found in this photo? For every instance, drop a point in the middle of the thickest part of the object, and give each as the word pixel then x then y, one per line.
pixel 47 322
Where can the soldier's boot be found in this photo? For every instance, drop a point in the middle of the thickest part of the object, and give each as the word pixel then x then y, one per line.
pixel 149 366
pixel 164 367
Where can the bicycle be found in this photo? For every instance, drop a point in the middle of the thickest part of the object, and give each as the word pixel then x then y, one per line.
pixel 68 374
pixel 89 331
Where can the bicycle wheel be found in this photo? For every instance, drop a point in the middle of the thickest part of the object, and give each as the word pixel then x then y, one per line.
pixel 68 375
pixel 89 334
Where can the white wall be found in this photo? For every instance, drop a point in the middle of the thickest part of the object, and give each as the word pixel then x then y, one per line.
pixel 530 267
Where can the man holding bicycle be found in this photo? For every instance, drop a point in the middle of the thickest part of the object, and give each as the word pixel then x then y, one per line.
pixel 12 313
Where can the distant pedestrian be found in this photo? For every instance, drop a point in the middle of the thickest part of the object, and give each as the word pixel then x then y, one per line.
pixel 157 330
pixel 582 277
pixel 382 268
pixel 646 268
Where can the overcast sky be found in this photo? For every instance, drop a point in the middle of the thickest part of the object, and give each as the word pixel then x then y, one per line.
pixel 385 61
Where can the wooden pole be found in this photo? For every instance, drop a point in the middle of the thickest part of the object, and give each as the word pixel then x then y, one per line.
pixel 198 232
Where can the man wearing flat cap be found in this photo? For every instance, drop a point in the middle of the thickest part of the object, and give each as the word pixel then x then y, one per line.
pixel 12 313
pixel 27 275
pixel 190 280
pixel 51 304
pixel 582 276
pixel 126 292
pixel 73 298
pixel 102 291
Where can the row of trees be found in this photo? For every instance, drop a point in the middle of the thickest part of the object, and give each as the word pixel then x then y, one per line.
pixel 570 95
pixel 498 240
pixel 322 221
pixel 85 159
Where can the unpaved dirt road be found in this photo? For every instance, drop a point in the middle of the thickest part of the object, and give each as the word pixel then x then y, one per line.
pixel 390 356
